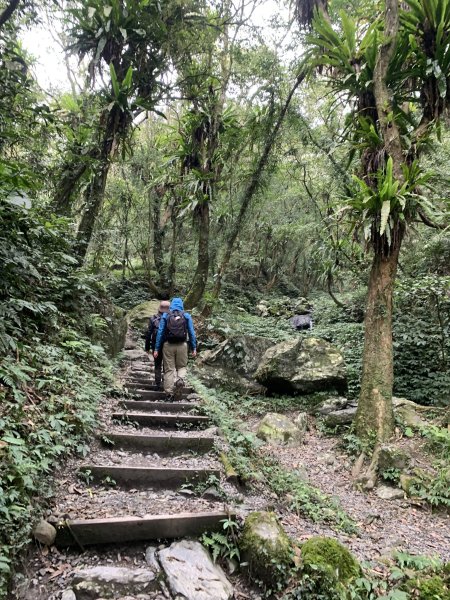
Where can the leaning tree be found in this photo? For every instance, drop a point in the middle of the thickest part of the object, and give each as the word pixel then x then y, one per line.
pixel 391 69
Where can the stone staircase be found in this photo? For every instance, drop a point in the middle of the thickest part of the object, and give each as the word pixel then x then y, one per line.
pixel 150 458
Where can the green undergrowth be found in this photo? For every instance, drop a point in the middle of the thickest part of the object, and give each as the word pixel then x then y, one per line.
pixel 48 399
pixel 256 469
pixel 231 320
pixel 51 374
pixel 246 405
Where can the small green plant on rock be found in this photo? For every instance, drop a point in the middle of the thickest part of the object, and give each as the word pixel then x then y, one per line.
pixel 223 545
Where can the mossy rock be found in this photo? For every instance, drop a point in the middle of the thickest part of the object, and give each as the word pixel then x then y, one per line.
pixel 139 315
pixel 302 366
pixel 331 557
pixel 277 429
pixel 266 548
pixel 392 457
pixel 431 588
pixel 406 483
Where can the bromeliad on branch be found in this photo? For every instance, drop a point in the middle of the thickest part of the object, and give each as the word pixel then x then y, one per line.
pixel 391 68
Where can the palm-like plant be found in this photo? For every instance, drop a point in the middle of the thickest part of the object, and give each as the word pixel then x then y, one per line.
pixel 393 72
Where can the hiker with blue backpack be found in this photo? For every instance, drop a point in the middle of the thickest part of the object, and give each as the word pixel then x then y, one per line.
pixel 176 331
pixel 150 339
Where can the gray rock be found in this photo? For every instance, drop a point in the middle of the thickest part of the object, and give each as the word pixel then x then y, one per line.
pixel 232 363
pixel 45 533
pixel 340 417
pixel 138 316
pixel 301 421
pixel 330 405
pixel 151 559
pixel 265 546
pixel 278 429
pixel 302 366
pixel 409 412
pixel 392 457
pixel 68 595
pixel 108 582
pixel 389 493
pixel 191 574
pixel 212 493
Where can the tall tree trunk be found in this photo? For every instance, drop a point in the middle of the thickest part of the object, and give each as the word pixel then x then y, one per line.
pixel 67 185
pixel 96 190
pixel 158 233
pixel 171 272
pixel 375 415
pixel 252 187
pixel 198 286
pixel 94 200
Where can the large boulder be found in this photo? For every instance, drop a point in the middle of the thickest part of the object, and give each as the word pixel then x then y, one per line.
pixel 139 315
pixel 266 547
pixel 278 429
pixel 232 363
pixel 302 366
pixel 191 574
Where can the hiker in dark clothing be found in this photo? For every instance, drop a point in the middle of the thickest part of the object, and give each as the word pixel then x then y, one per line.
pixel 150 338
pixel 175 328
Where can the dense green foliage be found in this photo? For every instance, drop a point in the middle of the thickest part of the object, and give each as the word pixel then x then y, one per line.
pixel 51 375
pixel 195 151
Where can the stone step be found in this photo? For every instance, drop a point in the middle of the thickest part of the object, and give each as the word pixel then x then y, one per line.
pixel 169 477
pixel 168 420
pixel 161 444
pixel 118 530
pixel 146 405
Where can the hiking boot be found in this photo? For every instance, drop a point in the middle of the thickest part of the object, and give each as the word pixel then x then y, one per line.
pixel 179 387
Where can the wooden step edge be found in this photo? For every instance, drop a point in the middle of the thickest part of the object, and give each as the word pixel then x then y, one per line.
pixel 155 395
pixel 166 476
pixel 171 407
pixel 158 443
pixel 170 417
pixel 117 530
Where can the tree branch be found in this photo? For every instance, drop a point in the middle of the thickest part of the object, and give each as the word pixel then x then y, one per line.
pixel 427 221
pixel 8 12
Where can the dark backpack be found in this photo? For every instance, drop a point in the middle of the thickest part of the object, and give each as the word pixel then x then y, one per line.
pixel 176 327
pixel 156 320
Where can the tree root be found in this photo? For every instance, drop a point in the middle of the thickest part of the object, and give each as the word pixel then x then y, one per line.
pixel 367 480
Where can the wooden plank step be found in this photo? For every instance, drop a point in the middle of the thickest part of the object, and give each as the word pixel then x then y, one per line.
pixel 162 406
pixel 149 386
pixel 154 395
pixel 118 530
pixel 168 420
pixel 141 374
pixel 161 444
pixel 149 476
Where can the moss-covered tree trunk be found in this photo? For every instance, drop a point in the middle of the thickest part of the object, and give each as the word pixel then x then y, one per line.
pixel 375 415
pixel 201 273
